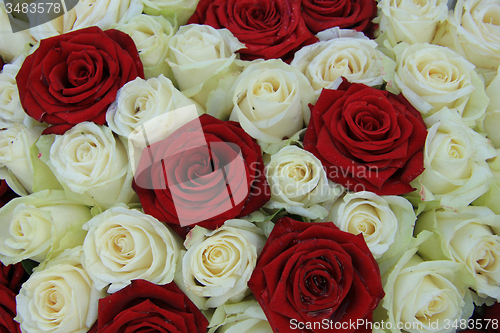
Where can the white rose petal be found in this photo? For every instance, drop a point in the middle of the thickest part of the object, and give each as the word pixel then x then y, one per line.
pixel 469 237
pixel 380 219
pixel 243 317
pixel 456 172
pixel 151 35
pixel 88 159
pixel 422 296
pixel 432 77
pixel 473 30
pixel 271 100
pixel 140 101
pixel 181 9
pixel 203 60
pixel 299 184
pixel 124 244
pixel 411 21
pixel 16 165
pixel 356 59
pixel 13 44
pixel 60 298
pixel 39 226
pixel 219 263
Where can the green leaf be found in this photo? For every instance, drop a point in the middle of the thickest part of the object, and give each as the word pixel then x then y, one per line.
pixel 29 265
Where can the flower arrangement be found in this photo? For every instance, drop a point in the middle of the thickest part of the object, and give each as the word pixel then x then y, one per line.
pixel 249 166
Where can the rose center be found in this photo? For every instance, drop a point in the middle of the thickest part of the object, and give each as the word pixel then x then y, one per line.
pixel 492 16
pixel 362 223
pixel 218 258
pixel 122 244
pixel 488 261
pixel 434 306
pixel 54 302
pixel 85 152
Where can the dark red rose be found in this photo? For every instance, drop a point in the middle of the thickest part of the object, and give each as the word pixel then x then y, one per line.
pixel 1 63
pixel 146 307
pixel 367 139
pixel 74 77
pixel 345 14
pixel 206 172
pixel 314 273
pixel 492 317
pixel 12 276
pixel 8 311
pixel 6 194
pixel 268 28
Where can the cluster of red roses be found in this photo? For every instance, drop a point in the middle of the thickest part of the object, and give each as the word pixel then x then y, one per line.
pixel 278 28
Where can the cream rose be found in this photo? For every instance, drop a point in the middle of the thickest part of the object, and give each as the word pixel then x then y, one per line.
pixel 203 60
pixel 411 21
pixel 11 110
pixel 456 172
pixel 491 198
pixel 473 30
pixel 424 296
pixel 432 77
pixel 271 100
pixel 469 236
pixel 218 263
pixel 299 184
pixel 180 9
pixel 13 43
pixel 384 221
pixel 90 163
pixel 86 13
pixel 124 244
pixel 140 101
pixel 351 55
pixel 16 164
pixel 492 118
pixel 60 298
pixel 151 35
pixel 40 226
pixel 244 317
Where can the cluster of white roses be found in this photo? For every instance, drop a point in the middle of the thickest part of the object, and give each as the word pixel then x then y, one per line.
pixel 79 217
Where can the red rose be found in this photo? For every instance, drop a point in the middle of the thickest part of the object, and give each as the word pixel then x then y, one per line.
pixel 208 170
pixel 367 139
pixel 146 307
pixel 268 28
pixel 8 311
pixel 13 276
pixel 345 14
pixel 1 63
pixel 491 319
pixel 312 273
pixel 74 77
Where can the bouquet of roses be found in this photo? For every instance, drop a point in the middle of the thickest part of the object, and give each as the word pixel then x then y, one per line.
pixel 249 166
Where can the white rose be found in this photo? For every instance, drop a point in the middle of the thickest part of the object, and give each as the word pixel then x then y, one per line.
pixel 299 184
pixel 491 198
pixel 124 244
pixel 151 35
pixel 473 30
pixel 355 58
pixel 492 118
pixel 11 110
pixel 90 162
pixel 243 317
pixel 271 100
pixel 16 165
pixel 469 236
pixel 456 172
pixel 40 226
pixel 181 9
pixel 140 101
pixel 219 263
pixel 86 13
pixel 424 296
pixel 203 59
pixel 384 221
pixel 60 298
pixel 13 43
pixel 411 21
pixel 432 77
